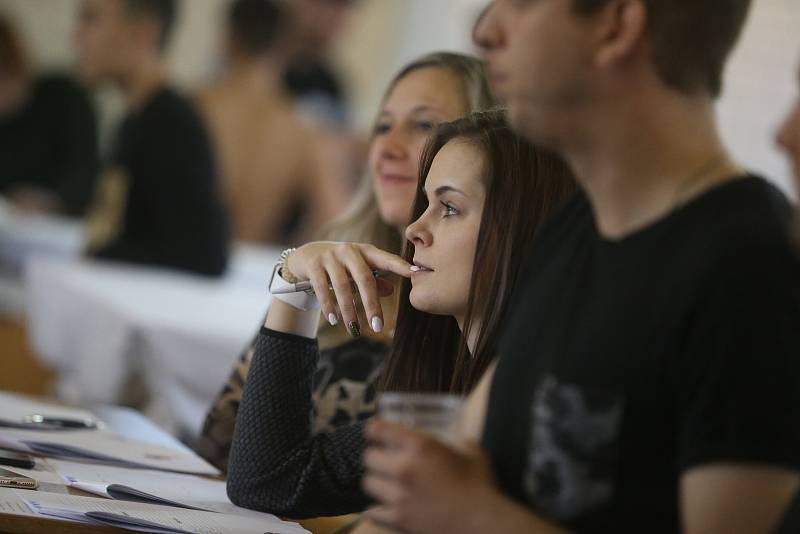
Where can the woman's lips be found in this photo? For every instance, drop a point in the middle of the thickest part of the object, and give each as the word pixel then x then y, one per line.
pixel 497 81
pixel 396 179
pixel 419 268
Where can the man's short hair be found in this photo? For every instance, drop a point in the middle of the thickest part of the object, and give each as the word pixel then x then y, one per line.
pixel 690 39
pixel 255 24
pixel 164 11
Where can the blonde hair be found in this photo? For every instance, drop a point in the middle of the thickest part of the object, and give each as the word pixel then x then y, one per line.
pixel 362 222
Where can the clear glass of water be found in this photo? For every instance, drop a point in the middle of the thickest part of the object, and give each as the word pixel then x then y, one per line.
pixel 435 414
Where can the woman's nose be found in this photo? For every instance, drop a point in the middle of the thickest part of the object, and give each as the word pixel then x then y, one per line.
pixel 394 144
pixel 418 234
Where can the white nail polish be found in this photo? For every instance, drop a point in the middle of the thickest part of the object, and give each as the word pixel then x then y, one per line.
pixel 333 319
pixel 414 269
pixel 377 324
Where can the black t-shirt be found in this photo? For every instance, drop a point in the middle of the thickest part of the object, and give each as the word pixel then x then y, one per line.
pixel 626 363
pixel 173 212
pixel 317 89
pixel 50 143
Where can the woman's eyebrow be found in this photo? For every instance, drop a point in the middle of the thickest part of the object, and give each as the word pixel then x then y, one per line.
pixel 416 110
pixel 442 189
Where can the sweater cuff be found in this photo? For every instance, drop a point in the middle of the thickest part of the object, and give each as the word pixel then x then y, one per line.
pixel 293 338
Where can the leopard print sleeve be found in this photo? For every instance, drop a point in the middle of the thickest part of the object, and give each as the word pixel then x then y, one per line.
pixel 343 393
pixel 299 437
pixel 214 443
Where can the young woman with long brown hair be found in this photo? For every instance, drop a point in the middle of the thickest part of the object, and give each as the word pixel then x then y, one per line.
pixel 435 88
pixel 482 195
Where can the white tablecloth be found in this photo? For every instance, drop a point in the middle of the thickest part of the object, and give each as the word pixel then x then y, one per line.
pixel 25 236
pixel 96 323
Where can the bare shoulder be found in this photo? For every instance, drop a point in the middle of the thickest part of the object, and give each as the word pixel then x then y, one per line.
pixel 474 414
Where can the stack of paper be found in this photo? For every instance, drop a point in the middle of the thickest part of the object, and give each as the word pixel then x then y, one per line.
pixel 138 516
pixel 154 487
pixel 103 447
pixel 145 487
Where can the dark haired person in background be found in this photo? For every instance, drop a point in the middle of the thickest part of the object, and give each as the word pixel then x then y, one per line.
pixel 648 378
pixel 269 161
pixel 313 25
pixel 48 135
pixel 157 202
pixel 788 138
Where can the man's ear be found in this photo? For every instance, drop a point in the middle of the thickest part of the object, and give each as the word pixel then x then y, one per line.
pixel 621 31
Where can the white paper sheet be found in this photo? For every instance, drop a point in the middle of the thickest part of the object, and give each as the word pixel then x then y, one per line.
pixel 177 489
pixel 70 507
pixel 100 446
pixel 12 504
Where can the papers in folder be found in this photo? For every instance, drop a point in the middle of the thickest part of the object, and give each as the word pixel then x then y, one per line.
pixel 138 516
pixel 103 447
pixel 155 487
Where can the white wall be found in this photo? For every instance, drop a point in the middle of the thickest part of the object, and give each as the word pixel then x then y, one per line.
pixel 761 84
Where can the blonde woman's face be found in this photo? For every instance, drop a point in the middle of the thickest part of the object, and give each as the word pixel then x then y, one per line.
pixel 417 103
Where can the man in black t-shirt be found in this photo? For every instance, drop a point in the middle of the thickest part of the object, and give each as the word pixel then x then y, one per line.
pixel 648 379
pixel 157 202
pixel 48 135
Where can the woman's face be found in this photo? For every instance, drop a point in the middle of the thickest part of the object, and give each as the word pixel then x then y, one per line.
pixel 417 103
pixel 446 234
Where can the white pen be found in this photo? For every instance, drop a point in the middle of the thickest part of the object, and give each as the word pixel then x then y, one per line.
pixel 306 285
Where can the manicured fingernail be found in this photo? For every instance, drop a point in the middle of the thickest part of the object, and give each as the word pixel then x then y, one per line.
pixel 377 324
pixel 414 269
pixel 333 319
pixel 354 329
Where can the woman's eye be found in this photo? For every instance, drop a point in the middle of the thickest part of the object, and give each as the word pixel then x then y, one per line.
pixel 426 126
pixel 449 210
pixel 381 128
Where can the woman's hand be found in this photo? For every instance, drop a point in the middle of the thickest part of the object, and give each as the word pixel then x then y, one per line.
pixel 329 264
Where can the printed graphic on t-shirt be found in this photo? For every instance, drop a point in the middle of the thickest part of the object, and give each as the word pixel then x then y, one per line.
pixel 572 449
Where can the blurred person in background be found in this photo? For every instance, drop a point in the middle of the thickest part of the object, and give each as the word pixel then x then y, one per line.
pixel 157 202
pixel 48 135
pixel 433 89
pixel 268 161
pixel 314 26
pixel 788 138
